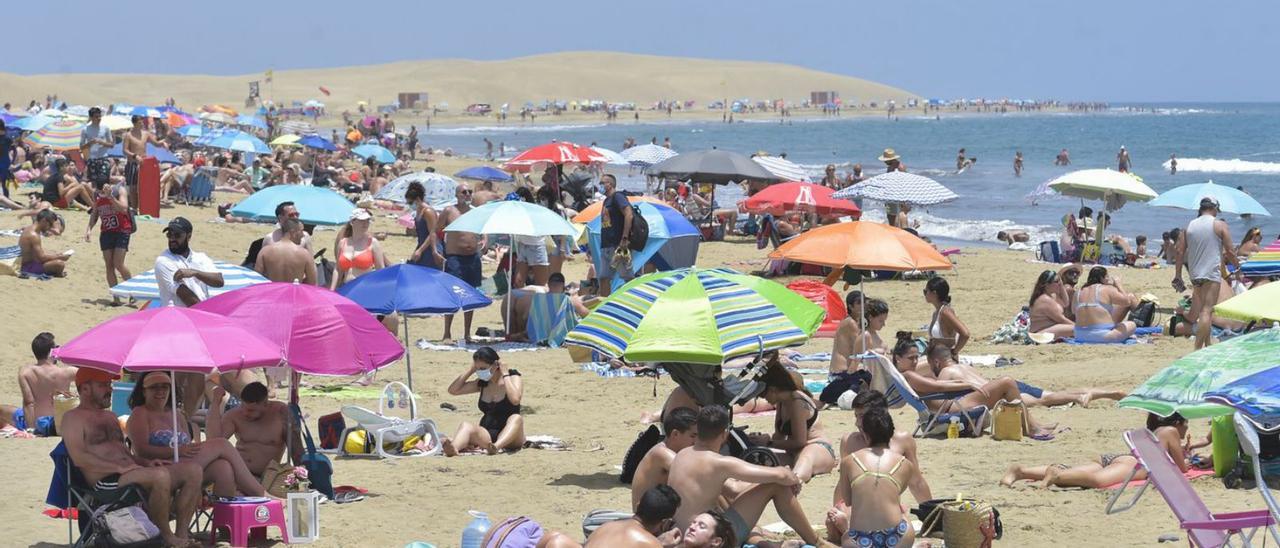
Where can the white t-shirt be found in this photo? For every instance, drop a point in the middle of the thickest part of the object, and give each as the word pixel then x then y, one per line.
pixel 167 264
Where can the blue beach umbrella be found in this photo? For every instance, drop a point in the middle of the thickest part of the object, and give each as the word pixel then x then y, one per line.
pixel 146 112
pixel 316 141
pixel 161 155
pixel 484 173
pixel 251 121
pixel 315 205
pixel 192 131
pixel 377 152
pixel 33 123
pixel 673 240
pixel 1231 200
pixel 232 139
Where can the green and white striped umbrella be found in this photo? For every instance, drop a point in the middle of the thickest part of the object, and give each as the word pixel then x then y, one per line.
pixel 694 315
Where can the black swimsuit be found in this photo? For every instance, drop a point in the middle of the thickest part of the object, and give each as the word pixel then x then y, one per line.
pixel 495 413
pixel 784 427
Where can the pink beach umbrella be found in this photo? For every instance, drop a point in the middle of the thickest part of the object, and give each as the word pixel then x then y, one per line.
pixel 320 332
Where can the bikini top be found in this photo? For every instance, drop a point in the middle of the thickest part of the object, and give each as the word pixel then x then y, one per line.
pixel 361 261
pixel 935 326
pixel 1097 302
pixel 886 475
pixel 164 438
pixel 784 427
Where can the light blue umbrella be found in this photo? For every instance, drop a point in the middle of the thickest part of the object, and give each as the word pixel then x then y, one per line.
pixel 673 240
pixel 251 121
pixel 1231 200
pixel 193 131
pixel 514 218
pixel 315 205
pixel 236 140
pixel 147 112
pixel 377 152
pixel 144 286
pixel 161 155
pixel 33 123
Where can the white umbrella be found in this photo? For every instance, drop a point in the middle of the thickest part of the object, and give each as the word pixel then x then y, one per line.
pixel 611 158
pixel 217 117
pixel 440 189
pixel 1107 185
pixel 899 187
pixel 646 154
pixel 782 167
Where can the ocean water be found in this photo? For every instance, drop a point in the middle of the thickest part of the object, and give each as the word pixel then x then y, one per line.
pixel 1231 144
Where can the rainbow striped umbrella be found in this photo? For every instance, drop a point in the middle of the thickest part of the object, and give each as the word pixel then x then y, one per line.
pixel 694 315
pixel 1264 262
pixel 58 135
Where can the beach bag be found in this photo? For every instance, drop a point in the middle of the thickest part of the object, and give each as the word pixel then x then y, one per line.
pixel 1144 315
pixel 319 469
pixel 514 532
pixel 621 260
pixel 962 523
pixel 639 235
pixel 1008 419
pixel 127 527
pixel 331 427
pixel 597 518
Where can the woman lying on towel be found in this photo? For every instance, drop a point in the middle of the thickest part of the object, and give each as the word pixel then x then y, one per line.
pixel 1110 468
pixel 501 389
pixel 968 394
pixel 795 427
pixel 947 369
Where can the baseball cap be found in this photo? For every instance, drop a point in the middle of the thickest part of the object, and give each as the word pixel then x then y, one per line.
pixel 1209 201
pixel 180 224
pixel 89 374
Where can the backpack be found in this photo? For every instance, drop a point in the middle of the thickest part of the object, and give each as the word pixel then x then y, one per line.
pixel 639 235
pixel 644 442
pixel 514 532
pixel 1144 315
pixel 331 427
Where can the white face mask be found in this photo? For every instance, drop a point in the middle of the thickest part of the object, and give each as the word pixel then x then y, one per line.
pixel 484 374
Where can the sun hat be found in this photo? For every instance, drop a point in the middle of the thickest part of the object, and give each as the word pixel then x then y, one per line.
pixel 889 155
pixel 360 214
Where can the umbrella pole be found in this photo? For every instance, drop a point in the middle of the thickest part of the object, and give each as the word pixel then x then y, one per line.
pixel 173 399
pixel 408 358
pixel 511 284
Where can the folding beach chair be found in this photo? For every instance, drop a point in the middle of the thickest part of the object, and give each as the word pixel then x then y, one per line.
pixel 1203 527
pixel 1251 446
pixel 551 317
pixel 69 490
pixel 385 431
pixel 200 189
pixel 889 381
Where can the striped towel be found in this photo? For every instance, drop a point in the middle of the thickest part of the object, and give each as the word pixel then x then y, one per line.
pixel 551 317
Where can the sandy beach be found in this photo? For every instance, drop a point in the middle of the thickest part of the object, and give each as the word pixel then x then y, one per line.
pixel 427 498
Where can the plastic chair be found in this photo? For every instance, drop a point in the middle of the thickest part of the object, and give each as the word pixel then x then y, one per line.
pixel 201 187
pixel 239 519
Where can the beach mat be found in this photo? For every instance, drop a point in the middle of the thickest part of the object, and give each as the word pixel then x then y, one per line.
pixel 1190 474
pixel 500 346
pixel 343 392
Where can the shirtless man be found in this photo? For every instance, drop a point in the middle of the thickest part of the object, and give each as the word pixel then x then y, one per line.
pixel 96 445
pixel 485 194
pixel 699 472
pixel 680 427
pixel 135 149
pixel 286 260
pixel 35 260
pixel 38 383
pixel 461 255
pixel 175 177
pixel 261 428
pixel 651 527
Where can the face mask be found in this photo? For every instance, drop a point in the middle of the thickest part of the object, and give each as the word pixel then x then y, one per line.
pixel 484 374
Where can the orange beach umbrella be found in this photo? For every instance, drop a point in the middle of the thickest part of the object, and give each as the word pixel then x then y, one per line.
pixel 592 211
pixel 862 245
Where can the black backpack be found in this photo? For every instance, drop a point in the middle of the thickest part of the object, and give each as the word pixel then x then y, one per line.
pixel 639 235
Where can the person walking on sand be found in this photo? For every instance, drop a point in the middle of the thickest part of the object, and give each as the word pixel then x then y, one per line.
pixel 1017 164
pixel 1202 247
pixel 111 206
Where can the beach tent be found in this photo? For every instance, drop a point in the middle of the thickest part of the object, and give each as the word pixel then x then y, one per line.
pixel 822 295
pixel 673 240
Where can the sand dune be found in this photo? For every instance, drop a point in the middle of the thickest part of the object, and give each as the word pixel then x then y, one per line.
pixel 615 77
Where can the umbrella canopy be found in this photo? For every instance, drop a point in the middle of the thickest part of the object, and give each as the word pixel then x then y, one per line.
pixel 287 140
pixel 1230 199
pixel 673 240
pixel 58 135
pixel 592 212
pixel 512 217
pixel 33 123
pixel 218 117
pixel 610 157
pixel 783 168
pixel 862 245
pixel 161 155
pixel 1259 303
pixel 315 205
pixel 899 187
pixel 219 108
pixel 144 286
pixel 1103 184
pixel 170 338
pixel 413 289
pixel 697 316
pixel 1264 262
pixel 712 166
pixel 193 131
pixel 1181 387
pixel 233 139
pixel 251 121
pixel 145 112
pixel 441 189
pixel 179 119
pixel 116 122
pixel 806 197
pixel 647 154
pixel 317 142
pixel 378 152
pixel 557 153
pixel 321 332
pixel 484 173
pixel 1256 395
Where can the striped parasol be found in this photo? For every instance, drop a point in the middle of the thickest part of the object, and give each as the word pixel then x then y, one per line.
pixel 1264 262
pixel 899 187
pixel 144 286
pixel 696 315
pixel 782 167
pixel 58 135
pixel 646 154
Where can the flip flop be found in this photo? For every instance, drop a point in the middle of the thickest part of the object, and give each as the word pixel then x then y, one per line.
pixel 344 488
pixel 1042 437
pixel 344 497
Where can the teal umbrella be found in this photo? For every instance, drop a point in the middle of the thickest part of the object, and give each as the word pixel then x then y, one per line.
pixel 1181 387
pixel 315 205
pixel 377 152
pixel 1230 199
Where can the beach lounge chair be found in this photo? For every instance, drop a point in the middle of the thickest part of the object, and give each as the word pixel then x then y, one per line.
pixel 551 317
pixel 1251 446
pixel 200 189
pixel 890 382
pixel 387 431
pixel 1203 527
pixel 69 490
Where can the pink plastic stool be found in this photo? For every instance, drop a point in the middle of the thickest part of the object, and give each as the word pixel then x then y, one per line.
pixel 240 519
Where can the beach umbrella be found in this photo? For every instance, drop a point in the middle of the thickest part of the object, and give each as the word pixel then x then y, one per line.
pixel 1230 199
pixel 161 154
pixel 484 173
pixel 691 315
pixel 1181 387
pixel 673 240
pixel 783 168
pixel 610 157
pixel 144 286
pixel 378 152
pixel 315 205
pixel 233 139
pixel 441 190
pixel 317 142
pixel 1259 303
pixel 557 153
pixel 145 112
pixel 53 113
pixel 1264 262
pixel 218 118
pixel 1256 396
pixel 410 289
pixel 251 121
pixel 712 166
pixel 807 197
pixel 296 127
pixel 592 211
pixel 646 154
pixel 179 119
pixel 9 118
pixel 320 331
pixel 58 135
pixel 862 245
pixel 287 140
pixel 193 131
pixel 78 110
pixel 899 187
pixel 1112 187
pixel 116 122
pixel 32 123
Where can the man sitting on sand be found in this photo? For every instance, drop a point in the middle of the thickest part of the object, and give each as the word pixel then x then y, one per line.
pixel 39 383
pixel 651 526
pixel 699 472
pixel 287 260
pixel 95 443
pixel 35 260
pixel 680 426
pixel 261 428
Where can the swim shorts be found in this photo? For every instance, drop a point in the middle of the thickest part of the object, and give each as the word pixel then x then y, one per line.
pixel 465 267
pixel 741 529
pixel 114 240
pixel 43 426
pixel 33 267
pixel 1029 390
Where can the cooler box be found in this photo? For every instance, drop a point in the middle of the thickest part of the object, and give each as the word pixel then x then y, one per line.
pixel 120 397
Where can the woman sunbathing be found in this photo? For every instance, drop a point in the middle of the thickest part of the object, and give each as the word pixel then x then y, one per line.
pixel 1049 304
pixel 795 426
pixel 1110 468
pixel 501 389
pixel 947 369
pixel 1100 308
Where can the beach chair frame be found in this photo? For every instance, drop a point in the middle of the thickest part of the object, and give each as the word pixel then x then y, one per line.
pixel 928 424
pixel 91 503
pixel 1251 446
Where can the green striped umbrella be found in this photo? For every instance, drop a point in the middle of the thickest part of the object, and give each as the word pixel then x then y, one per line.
pixel 1180 387
pixel 694 315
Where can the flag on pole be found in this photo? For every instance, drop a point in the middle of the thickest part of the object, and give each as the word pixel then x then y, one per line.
pixel 270 74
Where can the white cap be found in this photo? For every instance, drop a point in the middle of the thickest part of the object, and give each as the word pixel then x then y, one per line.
pixel 846 400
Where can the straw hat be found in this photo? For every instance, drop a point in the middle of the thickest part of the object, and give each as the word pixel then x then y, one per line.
pixel 1040 338
pixel 889 155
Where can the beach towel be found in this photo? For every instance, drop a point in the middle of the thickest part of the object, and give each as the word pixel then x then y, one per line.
pixel 1139 336
pixel 503 346
pixel 1014 332
pixel 551 317
pixel 603 369
pixel 343 392
pixel 814 357
pixel 1190 474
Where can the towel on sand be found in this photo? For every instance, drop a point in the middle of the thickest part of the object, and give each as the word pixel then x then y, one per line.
pixel 1190 474
pixel 500 346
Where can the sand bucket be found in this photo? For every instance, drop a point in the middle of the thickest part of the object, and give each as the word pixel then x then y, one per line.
pixel 62 404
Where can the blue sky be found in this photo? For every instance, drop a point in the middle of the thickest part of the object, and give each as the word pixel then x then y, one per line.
pixel 1127 50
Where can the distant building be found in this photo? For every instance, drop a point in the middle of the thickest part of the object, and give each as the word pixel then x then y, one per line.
pixel 824 97
pixel 412 100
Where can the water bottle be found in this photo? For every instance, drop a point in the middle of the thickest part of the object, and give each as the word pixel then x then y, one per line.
pixel 473 535
pixel 953 429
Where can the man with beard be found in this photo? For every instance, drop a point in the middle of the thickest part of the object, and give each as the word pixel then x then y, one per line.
pixel 183 278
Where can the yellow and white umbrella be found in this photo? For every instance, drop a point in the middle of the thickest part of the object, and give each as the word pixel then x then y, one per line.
pixel 1103 184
